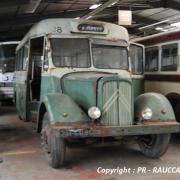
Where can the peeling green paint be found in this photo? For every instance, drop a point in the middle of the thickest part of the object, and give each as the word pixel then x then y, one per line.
pixel 159 104
pixel 138 87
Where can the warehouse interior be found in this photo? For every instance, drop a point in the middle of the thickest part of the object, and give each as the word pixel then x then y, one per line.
pixel 149 17
pixel 21 153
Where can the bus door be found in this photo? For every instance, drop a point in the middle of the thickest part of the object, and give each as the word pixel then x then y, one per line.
pixel 34 76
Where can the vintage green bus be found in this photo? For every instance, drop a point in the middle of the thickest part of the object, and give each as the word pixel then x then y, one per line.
pixel 74 79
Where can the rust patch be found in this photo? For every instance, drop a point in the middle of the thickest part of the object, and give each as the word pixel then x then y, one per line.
pixel 147 127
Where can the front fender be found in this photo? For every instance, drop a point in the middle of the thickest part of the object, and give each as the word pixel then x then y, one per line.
pixel 159 104
pixel 62 108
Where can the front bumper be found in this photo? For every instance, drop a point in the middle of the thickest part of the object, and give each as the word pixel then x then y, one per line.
pixel 155 127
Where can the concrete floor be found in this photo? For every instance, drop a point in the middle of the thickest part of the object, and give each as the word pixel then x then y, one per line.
pixel 23 158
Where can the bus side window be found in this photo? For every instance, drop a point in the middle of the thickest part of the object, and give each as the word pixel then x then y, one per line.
pixel 25 57
pixel 152 58
pixel 20 60
pixel 46 61
pixel 16 61
pixel 169 57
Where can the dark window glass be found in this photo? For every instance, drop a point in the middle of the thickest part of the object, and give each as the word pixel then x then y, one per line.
pixel 152 57
pixel 21 59
pixel 109 57
pixel 46 61
pixel 136 55
pixel 8 50
pixel 7 57
pixel 25 56
pixel 16 62
pixel 70 52
pixel 169 57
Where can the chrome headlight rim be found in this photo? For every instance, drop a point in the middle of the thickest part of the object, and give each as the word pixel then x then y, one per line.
pixel 94 112
pixel 147 113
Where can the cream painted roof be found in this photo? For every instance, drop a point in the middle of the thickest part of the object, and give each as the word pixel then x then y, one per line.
pixel 48 26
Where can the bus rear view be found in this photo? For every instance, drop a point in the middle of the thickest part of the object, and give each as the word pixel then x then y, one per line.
pixel 7 66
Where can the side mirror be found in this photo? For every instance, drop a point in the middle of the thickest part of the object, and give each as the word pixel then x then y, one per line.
pixel 4 69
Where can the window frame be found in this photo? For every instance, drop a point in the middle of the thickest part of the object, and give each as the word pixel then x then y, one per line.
pixel 20 58
pixel 158 58
pixel 172 67
pixel 99 44
pixel 24 68
pixel 89 47
pixel 142 59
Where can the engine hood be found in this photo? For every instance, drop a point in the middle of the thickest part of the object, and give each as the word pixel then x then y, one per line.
pixel 83 86
pixel 86 76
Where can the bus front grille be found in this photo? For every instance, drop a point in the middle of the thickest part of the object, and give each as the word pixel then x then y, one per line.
pixel 117 104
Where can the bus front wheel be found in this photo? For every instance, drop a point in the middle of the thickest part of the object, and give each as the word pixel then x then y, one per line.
pixel 54 145
pixel 154 146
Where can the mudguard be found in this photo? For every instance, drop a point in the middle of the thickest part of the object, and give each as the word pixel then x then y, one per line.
pixel 159 104
pixel 61 108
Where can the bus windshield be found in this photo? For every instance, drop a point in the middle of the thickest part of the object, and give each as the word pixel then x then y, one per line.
pixel 7 57
pixel 69 52
pixel 109 57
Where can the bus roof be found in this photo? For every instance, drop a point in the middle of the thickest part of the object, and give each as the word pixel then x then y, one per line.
pixel 74 27
pixel 159 38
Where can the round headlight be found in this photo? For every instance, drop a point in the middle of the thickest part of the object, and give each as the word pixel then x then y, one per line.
pixel 94 112
pixel 147 113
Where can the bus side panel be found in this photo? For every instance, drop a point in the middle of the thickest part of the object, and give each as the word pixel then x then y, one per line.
pixel 21 93
pixel 49 84
pixel 138 87
pixel 162 87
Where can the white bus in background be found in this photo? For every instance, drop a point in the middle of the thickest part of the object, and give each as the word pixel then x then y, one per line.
pixel 7 67
pixel 162 66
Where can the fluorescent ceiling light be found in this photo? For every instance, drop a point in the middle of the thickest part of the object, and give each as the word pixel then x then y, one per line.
pixel 112 4
pixel 162 29
pixel 89 17
pixel 177 24
pixel 94 6
pixel 165 30
pixel 159 28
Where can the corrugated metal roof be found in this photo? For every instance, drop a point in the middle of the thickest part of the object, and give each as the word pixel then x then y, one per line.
pixel 17 16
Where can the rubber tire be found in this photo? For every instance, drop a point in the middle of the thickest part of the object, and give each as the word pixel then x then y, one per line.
pixel 57 146
pixel 177 112
pixel 57 151
pixel 45 120
pixel 158 148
